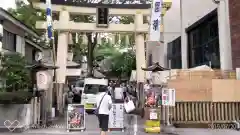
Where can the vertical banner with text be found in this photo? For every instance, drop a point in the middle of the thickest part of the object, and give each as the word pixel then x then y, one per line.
pixel 154 34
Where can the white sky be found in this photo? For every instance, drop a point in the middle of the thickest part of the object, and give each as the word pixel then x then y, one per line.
pixel 5 4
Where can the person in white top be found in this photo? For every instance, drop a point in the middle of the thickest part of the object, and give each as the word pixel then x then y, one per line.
pixel 104 102
pixel 146 86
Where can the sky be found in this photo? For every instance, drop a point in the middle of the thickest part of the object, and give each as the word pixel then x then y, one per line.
pixel 5 4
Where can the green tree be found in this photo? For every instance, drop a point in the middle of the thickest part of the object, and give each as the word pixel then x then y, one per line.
pixel 123 64
pixel 14 72
pixel 27 14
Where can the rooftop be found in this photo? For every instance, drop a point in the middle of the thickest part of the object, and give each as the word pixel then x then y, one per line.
pixel 8 16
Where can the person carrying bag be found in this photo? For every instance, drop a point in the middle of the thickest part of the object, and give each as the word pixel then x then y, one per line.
pixel 104 104
pixel 97 109
pixel 129 104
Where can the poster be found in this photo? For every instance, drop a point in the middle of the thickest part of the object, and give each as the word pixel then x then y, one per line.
pixel 168 97
pixel 76 116
pixel 116 116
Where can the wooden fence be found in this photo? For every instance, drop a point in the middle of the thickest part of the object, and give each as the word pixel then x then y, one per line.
pixel 204 112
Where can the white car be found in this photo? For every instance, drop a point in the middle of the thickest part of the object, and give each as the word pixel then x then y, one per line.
pixel 91 90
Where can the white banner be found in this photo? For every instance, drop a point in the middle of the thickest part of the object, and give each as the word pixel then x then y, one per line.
pixel 116 117
pixel 155 21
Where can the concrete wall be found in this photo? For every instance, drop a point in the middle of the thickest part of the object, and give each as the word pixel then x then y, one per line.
pixel 192 11
pixel 171 22
pixel 16 112
pixel 195 10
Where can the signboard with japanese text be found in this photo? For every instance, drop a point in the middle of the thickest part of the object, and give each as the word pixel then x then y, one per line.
pixel 168 97
pixel 155 21
pixel 116 116
pixel 102 17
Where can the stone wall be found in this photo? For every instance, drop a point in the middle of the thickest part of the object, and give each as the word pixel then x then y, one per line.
pixel 19 115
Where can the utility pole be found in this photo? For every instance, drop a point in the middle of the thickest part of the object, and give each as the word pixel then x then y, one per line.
pixel 52 43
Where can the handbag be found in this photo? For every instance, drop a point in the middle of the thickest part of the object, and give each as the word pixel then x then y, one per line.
pixel 129 106
pixel 97 109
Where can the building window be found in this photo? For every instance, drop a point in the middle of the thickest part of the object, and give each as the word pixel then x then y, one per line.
pixel 9 41
pixel 150 62
pixel 203 44
pixel 174 54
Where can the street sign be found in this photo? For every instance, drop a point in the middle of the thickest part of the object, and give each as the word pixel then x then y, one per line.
pixel 168 97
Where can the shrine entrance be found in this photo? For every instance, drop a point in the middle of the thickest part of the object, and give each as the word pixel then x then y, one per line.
pixel 102 11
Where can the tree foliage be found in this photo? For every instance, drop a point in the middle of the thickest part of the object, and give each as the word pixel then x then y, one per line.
pixel 27 14
pixel 14 72
pixel 123 64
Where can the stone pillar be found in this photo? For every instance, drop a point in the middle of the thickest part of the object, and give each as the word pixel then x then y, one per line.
pixel 224 36
pixel 184 46
pixel 62 53
pixel 140 49
pixel 140 58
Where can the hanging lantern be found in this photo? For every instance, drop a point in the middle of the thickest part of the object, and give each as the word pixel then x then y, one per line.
pixel 119 38
pixel 84 39
pixel 127 39
pixel 99 39
pixel 70 40
pixel 76 37
pixel 113 39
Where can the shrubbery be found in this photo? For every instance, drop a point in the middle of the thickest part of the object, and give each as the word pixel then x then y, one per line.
pixel 16 97
pixel 15 79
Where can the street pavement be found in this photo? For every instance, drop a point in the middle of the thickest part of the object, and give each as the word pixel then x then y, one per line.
pixel 134 128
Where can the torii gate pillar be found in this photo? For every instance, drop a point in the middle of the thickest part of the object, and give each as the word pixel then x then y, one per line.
pixel 62 52
pixel 140 49
pixel 140 57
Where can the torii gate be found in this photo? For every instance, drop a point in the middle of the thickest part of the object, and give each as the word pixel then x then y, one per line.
pixel 64 26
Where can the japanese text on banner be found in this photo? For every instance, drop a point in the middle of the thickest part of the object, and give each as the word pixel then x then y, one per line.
pixel 155 20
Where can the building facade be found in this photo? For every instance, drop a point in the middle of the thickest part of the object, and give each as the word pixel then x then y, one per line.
pixel 15 37
pixel 201 33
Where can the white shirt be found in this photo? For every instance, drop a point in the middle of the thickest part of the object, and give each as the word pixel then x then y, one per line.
pixel 105 104
pixel 146 87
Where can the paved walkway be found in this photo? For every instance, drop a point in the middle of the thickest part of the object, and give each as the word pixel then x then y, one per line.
pixel 135 127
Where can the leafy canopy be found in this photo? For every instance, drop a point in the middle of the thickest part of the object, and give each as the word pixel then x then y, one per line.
pixel 14 72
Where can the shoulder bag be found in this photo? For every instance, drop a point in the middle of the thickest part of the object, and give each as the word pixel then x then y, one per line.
pixel 97 109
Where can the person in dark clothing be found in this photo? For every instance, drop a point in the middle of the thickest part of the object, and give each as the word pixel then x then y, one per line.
pixel 77 96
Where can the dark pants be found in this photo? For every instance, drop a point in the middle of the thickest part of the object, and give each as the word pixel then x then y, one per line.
pixel 103 121
pixel 124 95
